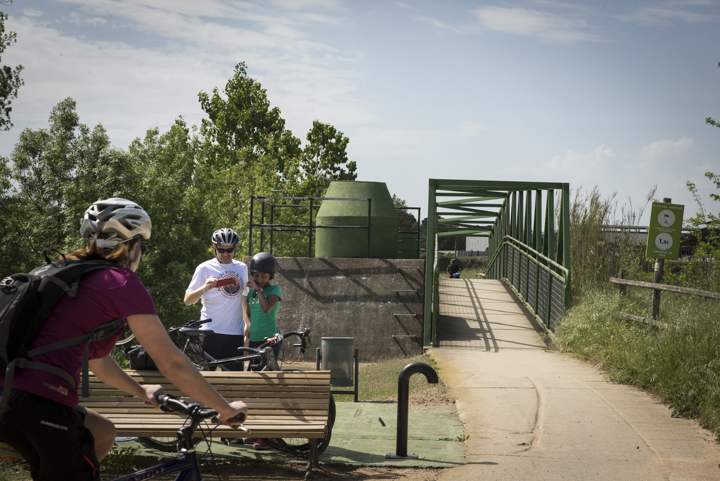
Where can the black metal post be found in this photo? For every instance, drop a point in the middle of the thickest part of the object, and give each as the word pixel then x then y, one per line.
pixel 252 204
pixel 262 229
pixel 418 233
pixel 368 226
pixel 403 395
pixel 272 226
pixel 310 231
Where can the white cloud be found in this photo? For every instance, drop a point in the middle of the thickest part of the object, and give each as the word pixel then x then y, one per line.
pixel 532 23
pixel 404 5
pixel 78 19
pixel 595 159
pixel 31 12
pixel 669 13
pixel 185 48
pixel 662 148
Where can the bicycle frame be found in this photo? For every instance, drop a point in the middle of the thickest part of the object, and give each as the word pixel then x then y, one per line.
pixel 187 464
pixel 193 348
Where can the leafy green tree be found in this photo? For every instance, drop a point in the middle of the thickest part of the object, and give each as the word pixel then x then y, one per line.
pixel 247 151
pixel 182 227
pixel 10 81
pixel 56 174
pixel 324 159
pixel 405 219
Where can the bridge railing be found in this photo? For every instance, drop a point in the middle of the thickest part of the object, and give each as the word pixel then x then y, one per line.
pixel 541 283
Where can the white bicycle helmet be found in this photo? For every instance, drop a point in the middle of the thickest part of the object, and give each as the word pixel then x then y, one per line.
pixel 121 219
pixel 225 236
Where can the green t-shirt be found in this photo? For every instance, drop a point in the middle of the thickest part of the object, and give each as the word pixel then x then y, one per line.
pixel 263 324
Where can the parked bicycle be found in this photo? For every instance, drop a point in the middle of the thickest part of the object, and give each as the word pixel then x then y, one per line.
pixel 186 465
pixel 260 358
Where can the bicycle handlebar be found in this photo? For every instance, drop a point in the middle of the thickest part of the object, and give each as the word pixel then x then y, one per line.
pixel 170 403
pixel 303 335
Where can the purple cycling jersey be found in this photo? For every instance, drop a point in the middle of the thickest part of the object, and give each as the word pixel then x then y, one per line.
pixel 103 296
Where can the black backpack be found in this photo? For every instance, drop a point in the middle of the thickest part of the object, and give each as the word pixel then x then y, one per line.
pixel 25 302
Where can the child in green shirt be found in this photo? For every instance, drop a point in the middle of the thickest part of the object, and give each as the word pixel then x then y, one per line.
pixel 263 301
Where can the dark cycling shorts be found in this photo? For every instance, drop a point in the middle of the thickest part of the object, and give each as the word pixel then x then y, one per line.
pixel 52 438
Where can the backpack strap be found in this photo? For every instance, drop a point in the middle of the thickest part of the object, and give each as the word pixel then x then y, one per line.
pixel 100 332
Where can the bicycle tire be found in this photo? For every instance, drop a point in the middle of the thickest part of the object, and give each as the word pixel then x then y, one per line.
pixel 300 447
pixel 167 445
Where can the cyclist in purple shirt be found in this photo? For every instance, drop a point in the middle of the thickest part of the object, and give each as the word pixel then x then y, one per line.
pixel 42 420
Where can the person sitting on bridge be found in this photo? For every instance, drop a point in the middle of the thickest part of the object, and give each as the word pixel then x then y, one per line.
pixel 453 270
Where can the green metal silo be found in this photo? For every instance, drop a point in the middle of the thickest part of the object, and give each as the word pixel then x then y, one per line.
pixel 334 242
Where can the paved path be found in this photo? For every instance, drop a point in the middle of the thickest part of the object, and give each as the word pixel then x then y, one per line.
pixel 537 415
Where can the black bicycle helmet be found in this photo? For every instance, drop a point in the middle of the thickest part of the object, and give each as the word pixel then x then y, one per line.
pixel 263 262
pixel 225 236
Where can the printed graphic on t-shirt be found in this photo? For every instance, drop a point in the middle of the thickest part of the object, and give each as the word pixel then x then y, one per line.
pixel 233 289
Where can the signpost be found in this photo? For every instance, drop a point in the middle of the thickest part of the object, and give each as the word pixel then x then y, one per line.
pixel 663 241
pixel 664 231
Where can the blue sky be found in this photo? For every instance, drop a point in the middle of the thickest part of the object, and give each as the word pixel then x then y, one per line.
pixel 610 94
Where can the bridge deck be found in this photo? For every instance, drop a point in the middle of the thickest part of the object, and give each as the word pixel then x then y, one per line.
pixel 484 315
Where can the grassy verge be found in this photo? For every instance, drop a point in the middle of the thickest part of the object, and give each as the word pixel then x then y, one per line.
pixel 378 381
pixel 681 364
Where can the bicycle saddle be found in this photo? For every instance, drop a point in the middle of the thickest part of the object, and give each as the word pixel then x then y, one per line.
pixel 195 332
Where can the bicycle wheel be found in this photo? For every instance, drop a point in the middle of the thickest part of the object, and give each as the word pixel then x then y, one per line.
pixel 301 447
pixel 168 445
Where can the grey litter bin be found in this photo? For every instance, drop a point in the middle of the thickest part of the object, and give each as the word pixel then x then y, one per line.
pixel 339 357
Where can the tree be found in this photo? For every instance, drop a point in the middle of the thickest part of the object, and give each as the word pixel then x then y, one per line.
pixel 56 174
pixel 10 81
pixel 324 159
pixel 247 151
pixel 405 219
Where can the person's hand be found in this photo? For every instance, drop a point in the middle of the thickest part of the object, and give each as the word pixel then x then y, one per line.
pixel 210 283
pixel 247 332
pixel 151 393
pixel 250 284
pixel 236 407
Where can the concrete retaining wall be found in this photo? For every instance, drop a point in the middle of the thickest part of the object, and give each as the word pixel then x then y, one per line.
pixel 379 302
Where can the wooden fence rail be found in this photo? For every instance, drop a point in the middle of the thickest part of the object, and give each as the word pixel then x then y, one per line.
pixel 658 287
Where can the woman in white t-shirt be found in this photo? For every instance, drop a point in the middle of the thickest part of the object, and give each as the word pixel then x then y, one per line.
pixel 223 303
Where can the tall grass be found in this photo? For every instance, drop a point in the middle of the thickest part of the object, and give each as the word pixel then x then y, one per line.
pixel 680 364
pixel 597 254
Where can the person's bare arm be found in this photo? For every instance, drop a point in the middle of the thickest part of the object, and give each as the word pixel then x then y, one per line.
pixel 246 318
pixel 193 296
pixel 175 366
pixel 267 303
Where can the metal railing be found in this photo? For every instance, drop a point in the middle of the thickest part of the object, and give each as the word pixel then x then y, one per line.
pixel 540 282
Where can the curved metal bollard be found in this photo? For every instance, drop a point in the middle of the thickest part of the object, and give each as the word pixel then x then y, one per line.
pixel 403 394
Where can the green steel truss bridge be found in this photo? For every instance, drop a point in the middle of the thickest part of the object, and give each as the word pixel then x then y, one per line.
pixel 528 227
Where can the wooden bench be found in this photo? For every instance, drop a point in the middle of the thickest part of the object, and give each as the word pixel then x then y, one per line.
pixel 281 404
